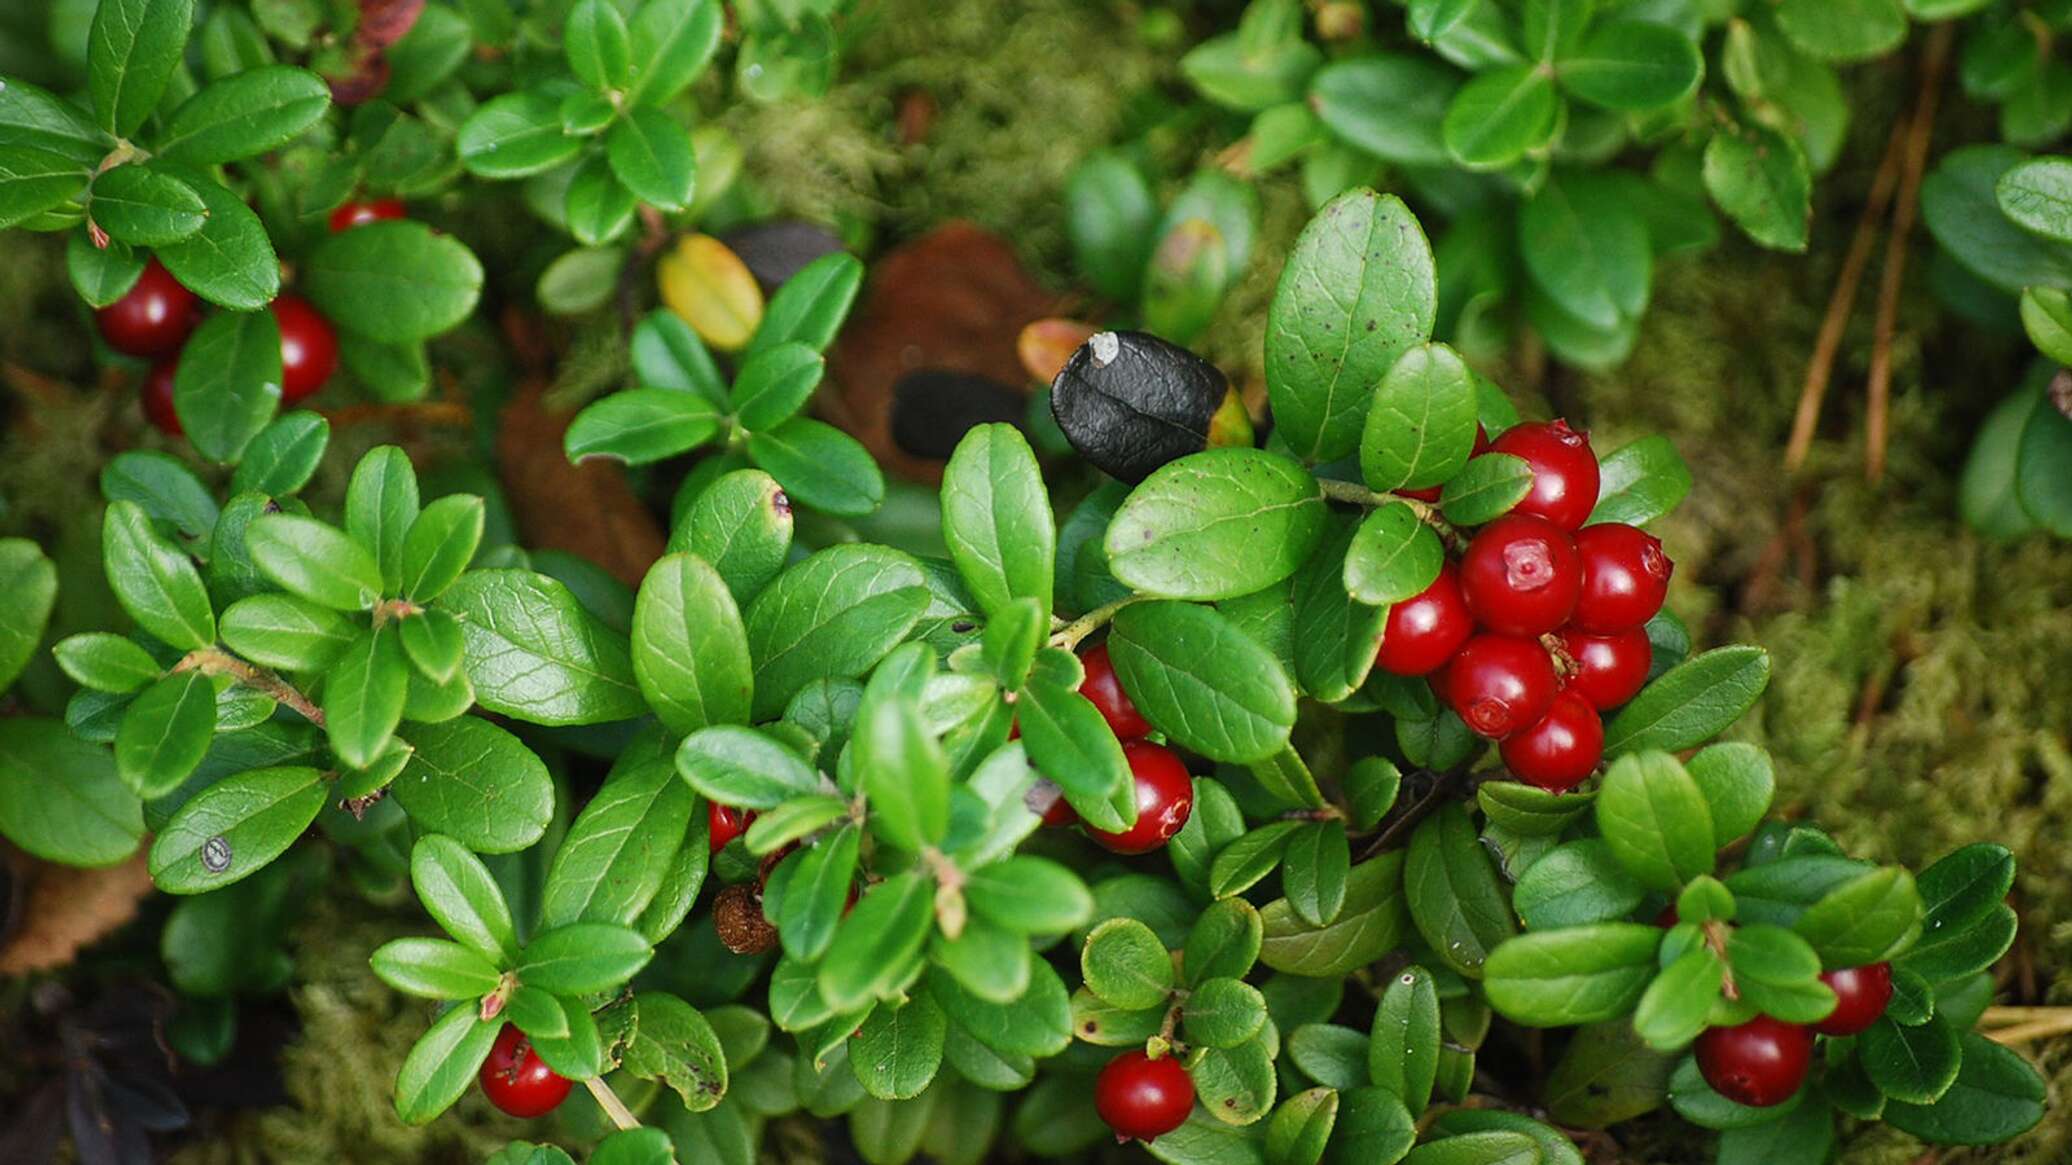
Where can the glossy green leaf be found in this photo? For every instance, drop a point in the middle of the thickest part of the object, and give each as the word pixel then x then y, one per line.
pixel 1453 892
pixel 284 455
pixel 476 783
pixel 234 827
pixel 1640 481
pixel 811 305
pixel 1631 66
pixel 1760 178
pixel 820 466
pixel 690 653
pixel 460 894
pixel 1357 292
pixel 1655 820
pixel 742 767
pixel 535 653
pixel 133 49
pixel 245 114
pixel 996 518
pixel 1691 703
pixel 230 261
pixel 155 583
pixel 137 204
pixel 1575 975
pixel 315 561
pixel 1501 115
pixel 60 797
pixel 1238 710
pixel 165 733
pixel 442 1064
pixel 833 614
pixel 432 968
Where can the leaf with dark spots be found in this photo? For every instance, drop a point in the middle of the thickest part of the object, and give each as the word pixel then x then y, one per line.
pixel 1130 402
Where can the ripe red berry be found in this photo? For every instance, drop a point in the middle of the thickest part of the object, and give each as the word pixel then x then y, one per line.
pixel 309 348
pixel 1759 1063
pixel 724 823
pixel 1104 688
pixel 1559 750
pixel 1142 1098
pixel 1564 470
pixel 1423 631
pixel 1165 796
pixel 354 214
pixel 515 1079
pixel 1625 577
pixel 1060 815
pixel 1861 994
pixel 1609 669
pixel 157 396
pixel 154 318
pixel 1521 575
pixel 1500 684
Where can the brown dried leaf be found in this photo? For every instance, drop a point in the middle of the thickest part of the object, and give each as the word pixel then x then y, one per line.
pixel 68 909
pixel 953 299
pixel 587 509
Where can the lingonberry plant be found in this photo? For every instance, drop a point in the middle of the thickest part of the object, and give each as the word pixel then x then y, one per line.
pixel 1371 748
pixel 1509 121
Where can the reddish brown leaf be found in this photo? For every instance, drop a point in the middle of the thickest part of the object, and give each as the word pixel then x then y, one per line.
pixel 586 509
pixel 66 910
pixel 954 299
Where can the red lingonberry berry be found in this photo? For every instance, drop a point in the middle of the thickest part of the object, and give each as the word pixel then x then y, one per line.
pixel 1608 669
pixel 1625 577
pixel 157 396
pixel 724 823
pixel 515 1079
pixel 309 348
pixel 1060 814
pixel 1759 1063
pixel 1667 917
pixel 1165 796
pixel 1564 470
pixel 355 214
pixel 1500 684
pixel 1143 1098
pixel 1521 576
pixel 1861 994
pixel 1560 749
pixel 1104 688
pixel 1423 631
pixel 153 318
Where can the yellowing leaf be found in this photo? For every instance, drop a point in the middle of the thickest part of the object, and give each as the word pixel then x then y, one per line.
pixel 712 289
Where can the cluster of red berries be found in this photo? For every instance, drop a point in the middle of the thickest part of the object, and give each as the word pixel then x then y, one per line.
pixel 1763 1062
pixel 1539 628
pixel 516 1080
pixel 1165 791
pixel 154 318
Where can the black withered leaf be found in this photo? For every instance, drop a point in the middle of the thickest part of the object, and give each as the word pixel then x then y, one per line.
pixel 775 251
pixel 932 409
pixel 1130 402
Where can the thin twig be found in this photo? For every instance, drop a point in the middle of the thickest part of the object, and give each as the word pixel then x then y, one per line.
pixel 1441 791
pixel 214 661
pixel 1360 495
pixel 1070 634
pixel 1997 1016
pixel 2022 1033
pixel 611 1104
pixel 1820 370
pixel 1933 60
pixel 430 412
